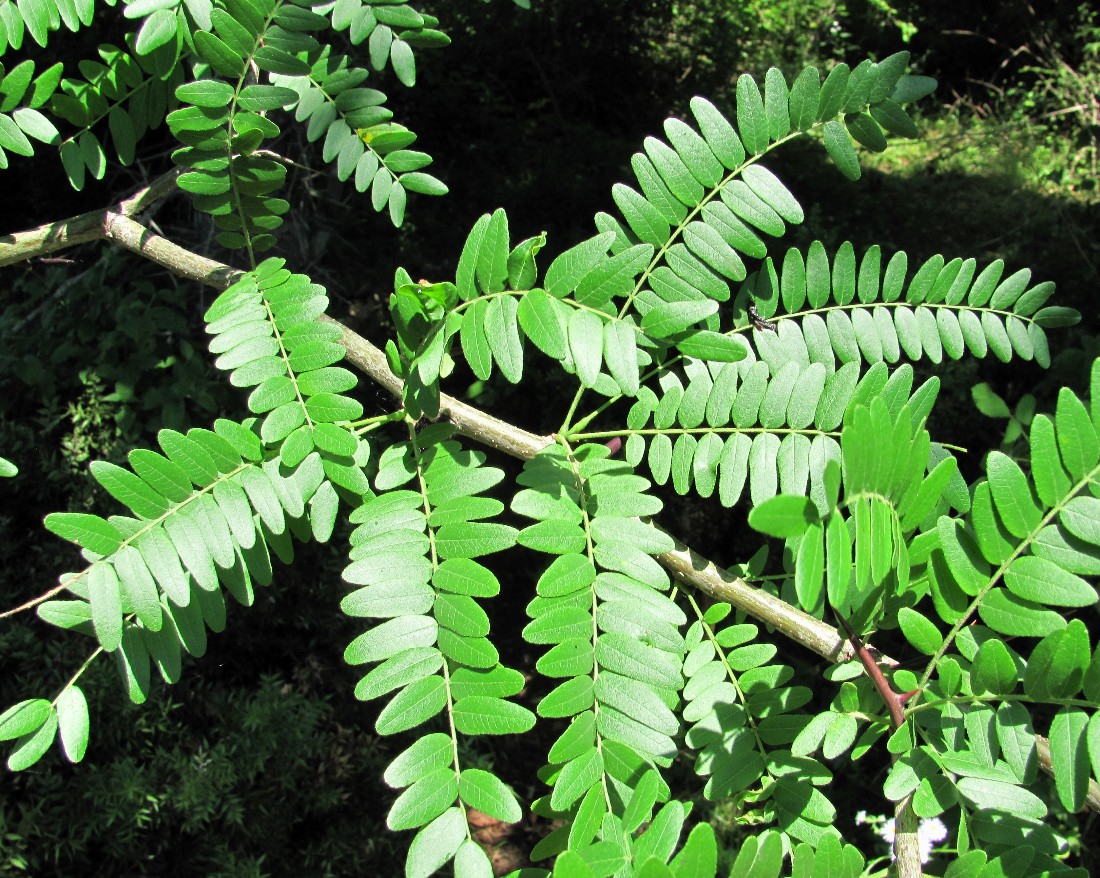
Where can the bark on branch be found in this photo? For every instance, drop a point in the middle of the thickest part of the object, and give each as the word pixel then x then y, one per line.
pixel 91 226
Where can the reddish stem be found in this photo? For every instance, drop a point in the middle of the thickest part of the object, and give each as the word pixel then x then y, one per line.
pixel 894 702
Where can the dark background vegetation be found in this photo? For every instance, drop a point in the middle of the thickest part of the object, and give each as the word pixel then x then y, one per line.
pixel 259 762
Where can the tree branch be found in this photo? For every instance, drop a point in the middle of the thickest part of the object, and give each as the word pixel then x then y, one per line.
pixel 907 862
pixel 687 565
pixel 91 226
pixel 115 224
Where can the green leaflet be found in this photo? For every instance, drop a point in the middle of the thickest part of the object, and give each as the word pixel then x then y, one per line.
pixel 72 717
pixel 34 743
pixel 541 322
pixel 522 272
pixel 492 261
pixel 920 631
pixel 1077 440
pixel 128 488
pixel 644 219
pixel 694 152
pixel 669 318
pixel 567 271
pixel 666 180
pixel 485 715
pixel 840 149
pixel 1001 796
pixel 768 188
pixel 139 590
pixel 502 334
pixel 586 345
pixel 783 516
pixel 424 801
pixel 1043 581
pixel 24 718
pixel 993 669
pixel 613 277
pixel 621 355
pixel 833 92
pixel 436 843
pixel 89 531
pixel 752 120
pixel 1068 751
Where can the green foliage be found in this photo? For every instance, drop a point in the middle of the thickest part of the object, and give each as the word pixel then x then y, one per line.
pixel 413 559
pixel 37 18
pixel 223 120
pixel 708 38
pixel 738 367
pixel 1052 99
pixel 146 374
pixel 1038 108
pixel 180 782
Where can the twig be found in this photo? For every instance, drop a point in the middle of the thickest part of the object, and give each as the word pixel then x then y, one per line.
pixel 52 297
pixel 34 602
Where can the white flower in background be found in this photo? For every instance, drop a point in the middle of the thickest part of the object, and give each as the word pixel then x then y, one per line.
pixel 929 833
